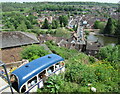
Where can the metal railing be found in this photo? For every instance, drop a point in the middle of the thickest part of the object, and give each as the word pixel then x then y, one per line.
pixel 5 77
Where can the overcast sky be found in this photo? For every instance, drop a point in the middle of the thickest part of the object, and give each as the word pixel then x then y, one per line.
pixel 108 1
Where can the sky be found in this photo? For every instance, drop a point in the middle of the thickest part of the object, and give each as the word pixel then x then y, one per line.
pixel 104 1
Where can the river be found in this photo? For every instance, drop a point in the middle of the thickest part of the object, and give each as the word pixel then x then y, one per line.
pixel 102 39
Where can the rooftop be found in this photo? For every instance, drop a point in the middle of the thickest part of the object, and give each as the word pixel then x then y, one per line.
pixel 16 38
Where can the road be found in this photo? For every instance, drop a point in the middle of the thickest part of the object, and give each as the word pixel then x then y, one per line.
pixel 80 33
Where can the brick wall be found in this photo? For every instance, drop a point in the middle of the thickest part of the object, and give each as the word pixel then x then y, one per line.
pixel 11 54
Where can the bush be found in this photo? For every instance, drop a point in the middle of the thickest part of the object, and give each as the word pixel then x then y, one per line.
pixel 92 59
pixel 101 73
pixel 62 51
pixel 33 52
pixel 80 73
pixel 110 53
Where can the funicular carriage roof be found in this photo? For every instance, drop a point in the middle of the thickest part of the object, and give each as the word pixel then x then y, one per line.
pixel 34 67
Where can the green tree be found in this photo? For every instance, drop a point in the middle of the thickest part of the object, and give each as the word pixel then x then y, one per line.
pixel 28 24
pixel 117 31
pixel 57 24
pixel 45 24
pixel 99 25
pixel 22 26
pixel 109 28
pixel 61 20
pixel 53 24
pixel 65 20
pixel 96 24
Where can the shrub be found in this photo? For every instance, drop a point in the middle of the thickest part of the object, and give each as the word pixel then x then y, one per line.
pixel 62 51
pixel 110 53
pixel 33 52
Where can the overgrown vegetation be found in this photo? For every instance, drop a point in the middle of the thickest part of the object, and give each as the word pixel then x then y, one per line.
pixel 33 52
pixel 111 54
pixel 82 70
pixel 62 51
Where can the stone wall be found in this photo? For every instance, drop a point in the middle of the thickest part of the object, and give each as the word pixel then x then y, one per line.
pixel 11 54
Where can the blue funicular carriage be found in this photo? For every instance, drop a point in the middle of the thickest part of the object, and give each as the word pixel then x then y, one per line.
pixel 32 75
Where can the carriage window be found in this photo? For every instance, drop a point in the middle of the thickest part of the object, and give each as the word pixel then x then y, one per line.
pixel 50 70
pixel 57 66
pixel 23 89
pixel 61 63
pixel 13 79
pixel 14 82
pixel 32 82
pixel 42 74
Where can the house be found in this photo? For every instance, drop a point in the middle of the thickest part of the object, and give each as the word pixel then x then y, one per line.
pixel 92 48
pixel 12 42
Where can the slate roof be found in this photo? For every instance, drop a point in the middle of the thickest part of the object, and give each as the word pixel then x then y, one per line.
pixel 16 38
pixel 92 46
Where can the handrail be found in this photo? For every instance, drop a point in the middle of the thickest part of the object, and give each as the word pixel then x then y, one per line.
pixel 7 77
pixel 4 87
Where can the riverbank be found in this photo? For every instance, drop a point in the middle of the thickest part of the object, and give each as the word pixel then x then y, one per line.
pixel 106 35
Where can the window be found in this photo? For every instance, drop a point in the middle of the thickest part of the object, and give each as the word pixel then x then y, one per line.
pixel 50 70
pixel 23 89
pixel 14 81
pixel 42 74
pixel 32 82
pixel 57 66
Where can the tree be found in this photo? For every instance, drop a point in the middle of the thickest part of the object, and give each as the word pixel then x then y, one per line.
pixel 55 24
pixel 65 20
pixel 117 31
pixel 61 21
pixel 109 28
pixel 96 24
pixel 45 24
pixel 28 24
pixel 22 26
pixel 99 25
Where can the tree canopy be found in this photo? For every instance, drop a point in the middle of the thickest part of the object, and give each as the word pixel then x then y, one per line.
pixel 109 28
